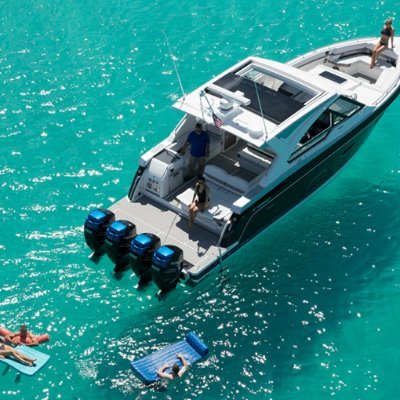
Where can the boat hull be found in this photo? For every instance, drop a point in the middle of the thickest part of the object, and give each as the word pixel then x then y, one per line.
pixel 295 189
pixel 299 177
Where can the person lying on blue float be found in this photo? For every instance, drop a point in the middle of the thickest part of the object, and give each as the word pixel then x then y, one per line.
pixel 176 371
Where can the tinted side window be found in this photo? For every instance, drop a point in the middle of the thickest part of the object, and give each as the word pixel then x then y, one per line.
pixel 340 110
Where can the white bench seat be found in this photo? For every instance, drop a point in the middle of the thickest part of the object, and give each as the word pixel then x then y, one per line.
pixel 221 177
pixel 253 162
pixel 221 201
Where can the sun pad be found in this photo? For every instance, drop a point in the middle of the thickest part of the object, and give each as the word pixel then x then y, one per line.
pixel 41 359
pixel 192 348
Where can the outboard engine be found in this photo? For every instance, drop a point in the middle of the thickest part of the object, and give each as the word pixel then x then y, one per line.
pixel 118 238
pixel 95 228
pixel 166 268
pixel 141 254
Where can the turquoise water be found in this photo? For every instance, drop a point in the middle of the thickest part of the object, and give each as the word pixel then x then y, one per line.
pixel 309 309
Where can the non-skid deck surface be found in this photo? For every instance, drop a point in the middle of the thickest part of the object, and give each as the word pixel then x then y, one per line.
pixel 198 244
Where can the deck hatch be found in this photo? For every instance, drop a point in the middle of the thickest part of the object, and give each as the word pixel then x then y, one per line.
pixel 332 77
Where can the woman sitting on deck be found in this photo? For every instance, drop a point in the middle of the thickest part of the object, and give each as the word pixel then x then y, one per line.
pixel 387 33
pixel 201 200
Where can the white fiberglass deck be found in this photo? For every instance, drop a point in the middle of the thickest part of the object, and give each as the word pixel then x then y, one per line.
pixel 198 244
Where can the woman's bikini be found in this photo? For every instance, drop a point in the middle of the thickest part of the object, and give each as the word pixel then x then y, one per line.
pixel 386 32
pixel 201 196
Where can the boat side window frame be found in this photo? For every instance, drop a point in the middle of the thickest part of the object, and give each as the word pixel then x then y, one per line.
pixel 313 139
pixel 336 118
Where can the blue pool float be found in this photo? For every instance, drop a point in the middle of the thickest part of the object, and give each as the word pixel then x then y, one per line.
pixel 192 348
pixel 41 360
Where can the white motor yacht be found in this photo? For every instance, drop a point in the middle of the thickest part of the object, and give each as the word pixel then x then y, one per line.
pixel 278 132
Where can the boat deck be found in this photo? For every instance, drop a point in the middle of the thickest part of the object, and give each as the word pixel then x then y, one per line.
pixel 347 70
pixel 198 245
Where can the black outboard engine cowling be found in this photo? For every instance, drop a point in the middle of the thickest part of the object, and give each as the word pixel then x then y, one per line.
pixel 166 268
pixel 118 238
pixel 141 254
pixel 95 228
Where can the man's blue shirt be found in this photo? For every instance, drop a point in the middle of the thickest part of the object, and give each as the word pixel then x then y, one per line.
pixel 198 143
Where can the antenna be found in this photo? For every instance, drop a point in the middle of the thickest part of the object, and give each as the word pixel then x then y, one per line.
pixel 202 94
pixel 261 111
pixel 173 58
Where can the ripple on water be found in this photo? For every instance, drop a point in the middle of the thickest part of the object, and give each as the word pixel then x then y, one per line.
pixel 86 90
